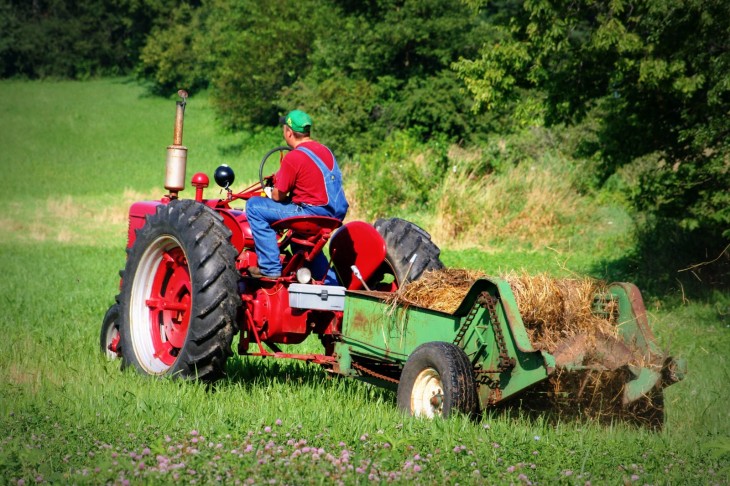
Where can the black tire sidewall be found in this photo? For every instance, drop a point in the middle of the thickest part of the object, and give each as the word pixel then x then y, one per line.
pixel 111 320
pixel 455 372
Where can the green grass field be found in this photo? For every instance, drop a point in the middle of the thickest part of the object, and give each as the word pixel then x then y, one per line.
pixel 74 156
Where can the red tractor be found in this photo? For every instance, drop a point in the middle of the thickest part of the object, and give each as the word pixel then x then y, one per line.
pixel 185 290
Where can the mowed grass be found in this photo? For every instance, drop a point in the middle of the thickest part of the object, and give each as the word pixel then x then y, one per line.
pixel 67 415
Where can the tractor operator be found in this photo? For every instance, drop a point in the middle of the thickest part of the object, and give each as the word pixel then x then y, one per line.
pixel 309 182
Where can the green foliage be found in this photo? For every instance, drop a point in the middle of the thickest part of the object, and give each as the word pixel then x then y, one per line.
pixel 398 38
pixel 175 55
pixel 76 39
pixel 387 62
pixel 404 49
pixel 433 106
pixel 401 175
pixel 261 47
pixel 655 75
pixel 343 110
pixel 637 92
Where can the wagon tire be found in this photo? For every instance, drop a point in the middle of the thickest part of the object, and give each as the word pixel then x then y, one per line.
pixel 109 336
pixel 436 381
pixel 179 297
pixel 403 240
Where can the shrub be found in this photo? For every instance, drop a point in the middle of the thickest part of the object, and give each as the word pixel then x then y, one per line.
pixel 401 175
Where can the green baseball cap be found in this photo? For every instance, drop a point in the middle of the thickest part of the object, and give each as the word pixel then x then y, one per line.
pixel 298 121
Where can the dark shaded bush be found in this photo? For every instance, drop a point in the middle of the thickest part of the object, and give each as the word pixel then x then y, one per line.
pixel 75 39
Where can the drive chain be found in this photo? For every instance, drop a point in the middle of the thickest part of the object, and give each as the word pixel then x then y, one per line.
pixel 505 362
pixel 374 373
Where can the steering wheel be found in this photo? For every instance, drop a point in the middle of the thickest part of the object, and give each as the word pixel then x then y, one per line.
pixel 271 152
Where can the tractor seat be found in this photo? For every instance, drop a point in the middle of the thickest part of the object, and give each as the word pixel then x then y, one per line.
pixel 306 226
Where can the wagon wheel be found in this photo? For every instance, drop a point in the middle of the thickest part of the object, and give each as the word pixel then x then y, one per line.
pixel 436 381
pixel 268 154
pixel 409 251
pixel 109 337
pixel 179 295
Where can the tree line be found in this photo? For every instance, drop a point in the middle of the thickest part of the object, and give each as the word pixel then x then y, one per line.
pixel 639 90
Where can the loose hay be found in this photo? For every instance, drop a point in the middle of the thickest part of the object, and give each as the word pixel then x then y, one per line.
pixel 441 290
pixel 559 317
pixel 552 309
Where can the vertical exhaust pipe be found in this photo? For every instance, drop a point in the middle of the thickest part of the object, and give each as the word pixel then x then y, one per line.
pixel 177 153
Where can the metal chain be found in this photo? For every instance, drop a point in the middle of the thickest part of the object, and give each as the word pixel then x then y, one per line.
pixel 485 300
pixel 505 362
pixel 467 322
pixel 373 373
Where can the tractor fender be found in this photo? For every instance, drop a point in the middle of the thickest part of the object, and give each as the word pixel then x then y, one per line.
pixel 356 244
pixel 237 222
pixel 138 213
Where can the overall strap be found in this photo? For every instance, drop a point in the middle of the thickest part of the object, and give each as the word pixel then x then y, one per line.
pixel 320 163
pixel 336 201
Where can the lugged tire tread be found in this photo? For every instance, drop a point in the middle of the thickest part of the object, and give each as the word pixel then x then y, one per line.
pixel 403 239
pixel 211 262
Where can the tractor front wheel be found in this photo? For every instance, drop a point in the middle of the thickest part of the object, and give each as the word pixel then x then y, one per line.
pixel 179 296
pixel 436 381
pixel 109 338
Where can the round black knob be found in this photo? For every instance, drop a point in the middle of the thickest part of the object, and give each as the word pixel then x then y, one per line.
pixel 224 176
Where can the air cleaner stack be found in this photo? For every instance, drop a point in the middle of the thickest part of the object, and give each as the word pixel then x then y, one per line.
pixel 177 153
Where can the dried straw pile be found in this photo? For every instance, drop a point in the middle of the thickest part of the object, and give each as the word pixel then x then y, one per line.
pixel 441 290
pixel 552 309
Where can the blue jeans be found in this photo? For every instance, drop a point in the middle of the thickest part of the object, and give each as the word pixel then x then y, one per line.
pixel 261 212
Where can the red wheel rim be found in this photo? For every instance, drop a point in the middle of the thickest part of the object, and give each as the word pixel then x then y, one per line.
pixel 169 305
pixel 160 305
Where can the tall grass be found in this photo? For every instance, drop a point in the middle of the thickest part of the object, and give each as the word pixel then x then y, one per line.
pixel 67 415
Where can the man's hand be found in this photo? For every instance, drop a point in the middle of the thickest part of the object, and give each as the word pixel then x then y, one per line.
pixel 268 191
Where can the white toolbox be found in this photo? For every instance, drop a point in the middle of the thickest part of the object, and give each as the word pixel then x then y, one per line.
pixel 320 297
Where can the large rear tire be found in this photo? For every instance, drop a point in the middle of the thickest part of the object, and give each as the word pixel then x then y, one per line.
pixel 403 241
pixel 179 296
pixel 436 381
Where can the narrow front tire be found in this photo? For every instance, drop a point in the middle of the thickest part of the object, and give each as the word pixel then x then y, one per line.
pixel 109 336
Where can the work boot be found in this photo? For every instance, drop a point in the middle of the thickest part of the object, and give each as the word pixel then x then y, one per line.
pixel 255 272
